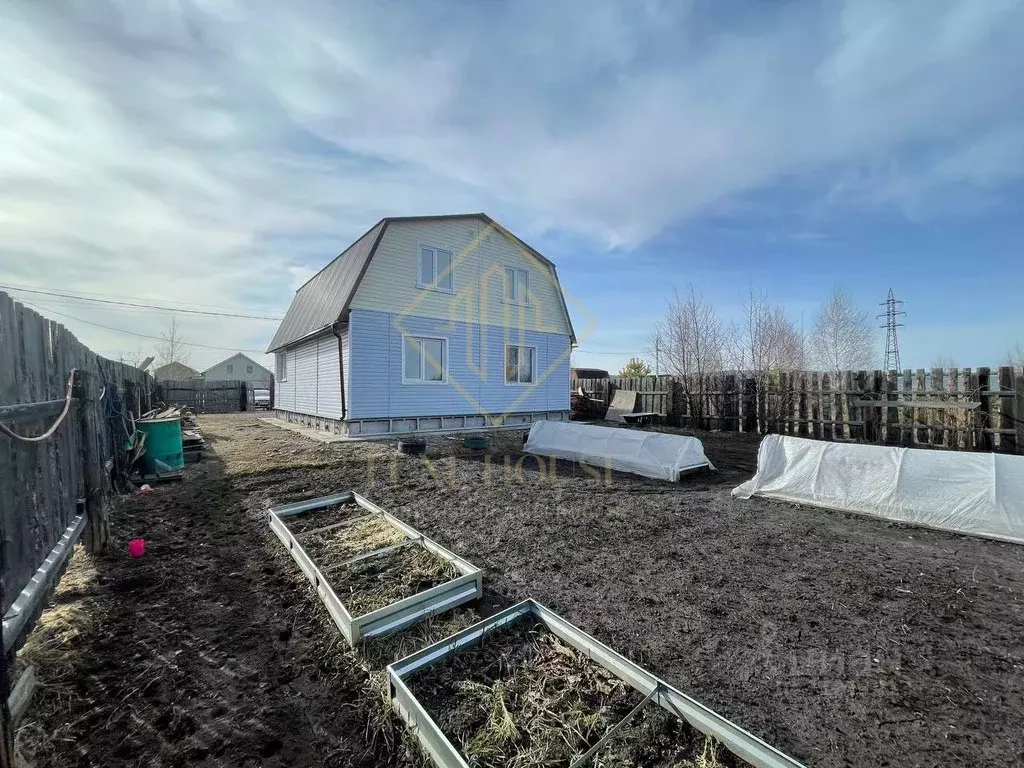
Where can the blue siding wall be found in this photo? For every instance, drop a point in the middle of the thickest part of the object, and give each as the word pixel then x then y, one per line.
pixel 476 381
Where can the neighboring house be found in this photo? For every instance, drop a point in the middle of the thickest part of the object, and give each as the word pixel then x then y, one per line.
pixel 589 373
pixel 174 372
pixel 426 323
pixel 240 368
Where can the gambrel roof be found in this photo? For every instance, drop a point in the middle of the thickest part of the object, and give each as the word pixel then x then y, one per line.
pixel 326 296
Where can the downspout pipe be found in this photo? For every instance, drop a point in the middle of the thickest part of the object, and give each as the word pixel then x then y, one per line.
pixel 341 369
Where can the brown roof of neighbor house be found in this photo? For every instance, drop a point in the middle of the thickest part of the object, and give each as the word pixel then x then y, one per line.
pixel 325 297
pixel 174 372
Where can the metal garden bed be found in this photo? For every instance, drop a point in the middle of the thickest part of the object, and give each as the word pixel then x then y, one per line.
pixel 398 615
pixel 744 745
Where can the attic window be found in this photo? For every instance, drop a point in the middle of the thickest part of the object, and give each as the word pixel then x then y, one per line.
pixel 517 286
pixel 435 269
pixel 248 369
pixel 231 368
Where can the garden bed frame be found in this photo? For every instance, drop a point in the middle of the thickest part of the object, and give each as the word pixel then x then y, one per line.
pixel 741 743
pixel 398 615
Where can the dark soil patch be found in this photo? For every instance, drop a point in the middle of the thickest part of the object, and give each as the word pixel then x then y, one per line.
pixel 842 641
pixel 318 518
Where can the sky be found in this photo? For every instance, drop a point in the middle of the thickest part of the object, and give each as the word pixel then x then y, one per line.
pixel 213 155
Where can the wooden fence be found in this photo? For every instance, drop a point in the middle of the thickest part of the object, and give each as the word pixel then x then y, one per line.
pixel 957 408
pixel 54 490
pixel 204 396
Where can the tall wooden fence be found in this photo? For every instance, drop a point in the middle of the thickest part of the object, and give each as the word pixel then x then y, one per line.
pixel 204 396
pixel 56 489
pixel 957 408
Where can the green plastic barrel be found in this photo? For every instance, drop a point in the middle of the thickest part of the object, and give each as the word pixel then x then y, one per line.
pixel 163 445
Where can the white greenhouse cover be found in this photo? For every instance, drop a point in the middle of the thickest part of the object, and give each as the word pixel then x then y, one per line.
pixel 981 494
pixel 651 454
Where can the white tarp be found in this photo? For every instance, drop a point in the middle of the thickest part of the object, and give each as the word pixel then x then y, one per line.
pixel 651 454
pixel 981 494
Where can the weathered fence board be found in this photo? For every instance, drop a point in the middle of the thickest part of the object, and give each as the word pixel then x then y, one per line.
pixel 204 396
pixel 45 484
pixel 958 408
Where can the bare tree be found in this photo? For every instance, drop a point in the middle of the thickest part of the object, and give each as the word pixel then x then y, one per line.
pixel 133 359
pixel 942 361
pixel 843 338
pixel 765 339
pixel 173 348
pixel 1015 356
pixel 692 342
pixel 766 344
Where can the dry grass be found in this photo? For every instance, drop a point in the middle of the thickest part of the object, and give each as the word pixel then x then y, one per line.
pixel 657 739
pixel 53 647
pixel 340 544
pixel 378 581
pixel 384 730
pixel 523 699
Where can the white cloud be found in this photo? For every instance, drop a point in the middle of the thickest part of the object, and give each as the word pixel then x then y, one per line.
pixel 218 152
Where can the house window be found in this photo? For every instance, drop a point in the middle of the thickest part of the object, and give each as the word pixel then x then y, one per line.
pixel 248 369
pixel 231 368
pixel 424 360
pixel 517 285
pixel 435 269
pixel 282 366
pixel 520 364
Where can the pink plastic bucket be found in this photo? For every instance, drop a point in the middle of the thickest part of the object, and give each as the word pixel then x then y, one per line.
pixel 137 547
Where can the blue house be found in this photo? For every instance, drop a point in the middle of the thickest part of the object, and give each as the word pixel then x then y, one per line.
pixel 426 323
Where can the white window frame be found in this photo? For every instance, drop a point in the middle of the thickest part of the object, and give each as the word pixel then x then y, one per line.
pixel 533 373
pixel 431 283
pixel 504 285
pixel 444 359
pixel 230 368
pixel 248 369
pixel 282 366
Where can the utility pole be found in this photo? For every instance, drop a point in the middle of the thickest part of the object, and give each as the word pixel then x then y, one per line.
pixel 892 314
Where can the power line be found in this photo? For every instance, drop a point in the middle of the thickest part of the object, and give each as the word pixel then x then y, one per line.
pixel 138 306
pixel 86 294
pixel 142 335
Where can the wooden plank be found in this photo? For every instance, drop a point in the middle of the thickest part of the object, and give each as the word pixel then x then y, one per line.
pixel 814 398
pixel 21 696
pixel 1008 431
pixel 827 431
pixel 1018 410
pixel 892 415
pixel 986 441
pixel 938 382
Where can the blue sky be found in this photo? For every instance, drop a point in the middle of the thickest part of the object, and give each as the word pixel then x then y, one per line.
pixel 220 152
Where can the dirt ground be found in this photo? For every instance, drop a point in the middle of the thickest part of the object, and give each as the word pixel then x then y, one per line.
pixel 842 641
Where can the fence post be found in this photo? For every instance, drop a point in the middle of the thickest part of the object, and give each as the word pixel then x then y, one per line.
pixel 1007 411
pixel 98 529
pixel 984 377
pixel 1018 410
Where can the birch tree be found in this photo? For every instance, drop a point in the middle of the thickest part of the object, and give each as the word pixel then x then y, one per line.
pixel 765 344
pixel 692 341
pixel 843 338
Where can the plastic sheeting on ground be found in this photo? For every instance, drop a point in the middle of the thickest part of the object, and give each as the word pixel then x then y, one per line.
pixel 651 454
pixel 981 494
